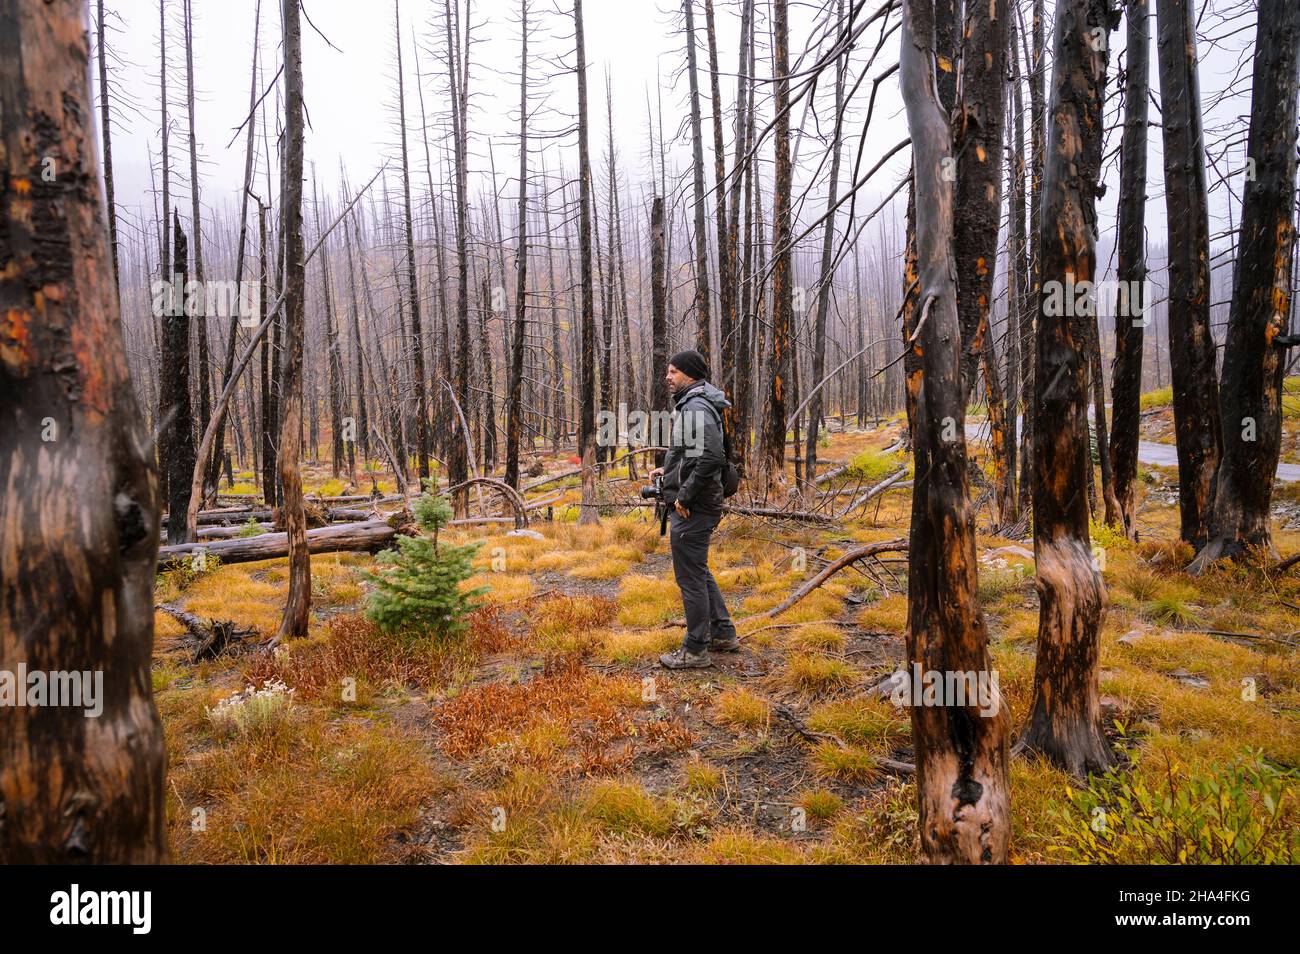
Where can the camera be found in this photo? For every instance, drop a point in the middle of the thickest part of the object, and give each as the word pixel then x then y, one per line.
pixel 655 491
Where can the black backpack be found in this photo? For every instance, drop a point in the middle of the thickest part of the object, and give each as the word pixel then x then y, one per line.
pixel 730 472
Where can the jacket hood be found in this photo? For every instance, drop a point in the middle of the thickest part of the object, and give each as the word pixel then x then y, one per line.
pixel 704 389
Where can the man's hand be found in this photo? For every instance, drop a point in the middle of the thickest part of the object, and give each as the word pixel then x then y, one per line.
pixel 681 511
pixel 657 472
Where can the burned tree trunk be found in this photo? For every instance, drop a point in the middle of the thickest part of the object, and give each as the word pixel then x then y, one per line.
pixel 80 501
pixel 697 169
pixel 1126 380
pixel 232 336
pixel 1191 343
pixel 294 622
pixel 1028 327
pixel 825 275
pixel 200 328
pixel 979 177
pixel 176 433
pixel 772 449
pixel 1251 391
pixel 1065 718
pixel 658 315
pixel 458 457
pixel 976 218
pixel 417 333
pixel 514 410
pixel 961 749
pixel 723 361
pixel 106 130
pixel 587 318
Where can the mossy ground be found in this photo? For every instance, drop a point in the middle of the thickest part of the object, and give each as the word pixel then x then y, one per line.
pixel 550 734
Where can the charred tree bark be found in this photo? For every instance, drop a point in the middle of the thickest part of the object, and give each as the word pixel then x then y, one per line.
pixel 1191 343
pixel 1251 392
pixel 1064 722
pixel 458 458
pixel 79 498
pixel 514 410
pixel 200 328
pixel 106 130
pixel 298 602
pixel 976 219
pixel 334 360
pixel 961 750
pixel 724 361
pixel 826 274
pixel 587 318
pixel 772 453
pixel 1126 378
pixel 417 332
pixel 658 314
pixel 1028 326
pixel 702 332
pixel 176 432
pixel 978 143
pixel 735 377
pixel 270 389
pixel 232 334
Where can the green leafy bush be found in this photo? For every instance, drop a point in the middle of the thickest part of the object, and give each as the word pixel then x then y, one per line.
pixel 874 465
pixel 1162 397
pixel 1232 815
pixel 418 593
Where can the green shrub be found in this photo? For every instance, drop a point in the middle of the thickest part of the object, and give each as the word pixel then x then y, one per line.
pixel 1159 398
pixel 874 465
pixel 1232 815
pixel 419 592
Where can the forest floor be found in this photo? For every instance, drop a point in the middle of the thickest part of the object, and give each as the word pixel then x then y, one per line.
pixel 550 734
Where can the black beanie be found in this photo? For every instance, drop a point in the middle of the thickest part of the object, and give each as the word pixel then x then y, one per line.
pixel 690 363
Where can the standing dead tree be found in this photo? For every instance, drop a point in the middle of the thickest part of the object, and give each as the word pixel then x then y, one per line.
pixel 80 501
pixel 1064 721
pixel 976 217
pixel 294 622
pixel 514 410
pixel 772 444
pixel 1126 383
pixel 963 804
pixel 1251 390
pixel 587 318
pixel 1191 342
pixel 416 344
pixel 702 333
pixel 176 424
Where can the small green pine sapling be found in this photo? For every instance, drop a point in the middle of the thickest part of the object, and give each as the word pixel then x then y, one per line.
pixel 418 594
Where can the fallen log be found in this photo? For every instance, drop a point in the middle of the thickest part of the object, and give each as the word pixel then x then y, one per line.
pixel 209 636
pixel 368 536
pixel 229 517
pixel 649 449
pixel 226 533
pixel 832 474
pixel 800 515
pixel 871 549
pixel 508 493
pixel 875 491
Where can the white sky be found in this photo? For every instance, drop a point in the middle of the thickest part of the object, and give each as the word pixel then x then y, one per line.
pixel 350 92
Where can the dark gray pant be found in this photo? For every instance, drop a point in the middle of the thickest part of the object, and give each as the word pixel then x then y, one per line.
pixel 706 614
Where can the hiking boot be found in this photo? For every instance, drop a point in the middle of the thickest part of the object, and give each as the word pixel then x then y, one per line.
pixel 683 658
pixel 724 644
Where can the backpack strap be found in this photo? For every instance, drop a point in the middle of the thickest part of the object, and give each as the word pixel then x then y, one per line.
pixel 726 432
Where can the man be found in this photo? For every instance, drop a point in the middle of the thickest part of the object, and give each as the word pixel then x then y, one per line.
pixel 692 487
